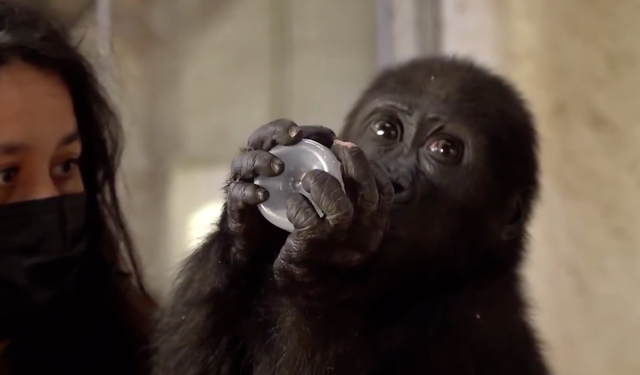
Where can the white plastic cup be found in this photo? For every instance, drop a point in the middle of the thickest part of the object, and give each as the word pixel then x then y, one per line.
pixel 298 159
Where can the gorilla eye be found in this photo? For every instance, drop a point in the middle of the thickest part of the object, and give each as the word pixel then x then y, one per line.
pixel 447 150
pixel 388 128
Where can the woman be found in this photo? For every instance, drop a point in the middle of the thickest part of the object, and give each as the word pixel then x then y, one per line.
pixel 71 298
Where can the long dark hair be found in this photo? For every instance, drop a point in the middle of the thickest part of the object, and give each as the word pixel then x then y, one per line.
pixel 113 313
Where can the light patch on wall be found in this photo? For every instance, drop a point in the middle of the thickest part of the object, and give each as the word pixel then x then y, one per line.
pixel 202 222
pixel 195 204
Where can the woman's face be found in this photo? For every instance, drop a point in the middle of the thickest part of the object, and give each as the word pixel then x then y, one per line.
pixel 39 141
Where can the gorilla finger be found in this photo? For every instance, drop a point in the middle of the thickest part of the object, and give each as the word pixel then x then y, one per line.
pixel 243 194
pixel 248 165
pixel 240 197
pixel 288 265
pixel 385 187
pixel 320 134
pixel 356 170
pixel 327 193
pixel 279 132
pixel 301 213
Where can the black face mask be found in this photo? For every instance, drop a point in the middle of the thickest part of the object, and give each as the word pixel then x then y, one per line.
pixel 42 250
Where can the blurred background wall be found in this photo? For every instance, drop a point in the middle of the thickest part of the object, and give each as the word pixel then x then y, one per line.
pixel 193 78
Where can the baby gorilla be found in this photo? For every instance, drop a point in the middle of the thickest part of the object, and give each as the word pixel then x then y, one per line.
pixel 414 270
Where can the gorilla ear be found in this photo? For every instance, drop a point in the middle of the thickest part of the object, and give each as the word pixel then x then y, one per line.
pixel 517 217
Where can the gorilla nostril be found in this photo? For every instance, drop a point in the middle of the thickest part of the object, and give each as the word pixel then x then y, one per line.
pixel 403 194
pixel 397 188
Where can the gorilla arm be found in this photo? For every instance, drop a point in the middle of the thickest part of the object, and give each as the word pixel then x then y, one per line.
pixel 199 333
pixel 196 334
pixel 323 271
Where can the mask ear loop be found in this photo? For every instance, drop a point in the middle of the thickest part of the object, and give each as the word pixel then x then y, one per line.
pixel 65 206
pixel 63 223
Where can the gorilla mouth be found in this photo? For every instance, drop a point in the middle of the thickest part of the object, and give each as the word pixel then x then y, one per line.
pixel 402 193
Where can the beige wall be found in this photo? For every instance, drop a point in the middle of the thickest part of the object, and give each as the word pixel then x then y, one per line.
pixel 578 62
pixel 192 91
pixel 587 99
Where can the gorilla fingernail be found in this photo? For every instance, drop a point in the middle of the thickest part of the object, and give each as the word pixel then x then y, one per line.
pixel 294 130
pixel 262 195
pixel 277 166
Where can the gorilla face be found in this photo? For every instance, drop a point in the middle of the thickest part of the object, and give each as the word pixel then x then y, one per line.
pixel 459 146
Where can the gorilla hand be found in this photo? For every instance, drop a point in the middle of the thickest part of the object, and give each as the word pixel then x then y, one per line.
pixel 323 259
pixel 247 228
pixel 200 332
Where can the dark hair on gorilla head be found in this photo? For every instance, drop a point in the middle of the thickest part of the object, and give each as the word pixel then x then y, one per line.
pixel 113 311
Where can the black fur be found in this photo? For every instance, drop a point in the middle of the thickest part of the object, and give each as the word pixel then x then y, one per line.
pixel 428 284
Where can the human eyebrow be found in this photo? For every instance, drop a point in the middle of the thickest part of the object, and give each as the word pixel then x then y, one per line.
pixel 11 148
pixel 69 139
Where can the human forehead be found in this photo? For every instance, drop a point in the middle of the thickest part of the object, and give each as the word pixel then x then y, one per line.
pixel 33 102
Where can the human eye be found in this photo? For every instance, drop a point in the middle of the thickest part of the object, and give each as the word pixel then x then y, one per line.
pixel 8 176
pixel 66 169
